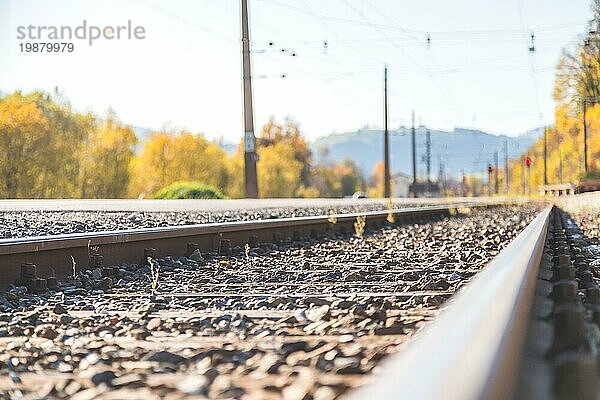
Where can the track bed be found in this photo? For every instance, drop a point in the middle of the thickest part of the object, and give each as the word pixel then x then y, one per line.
pixel 303 320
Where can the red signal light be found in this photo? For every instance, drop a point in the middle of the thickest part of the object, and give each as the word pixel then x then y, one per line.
pixel 528 161
pixel 490 168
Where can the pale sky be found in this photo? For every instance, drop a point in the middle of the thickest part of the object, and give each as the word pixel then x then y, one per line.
pixel 477 71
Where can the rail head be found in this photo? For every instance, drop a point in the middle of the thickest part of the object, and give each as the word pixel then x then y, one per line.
pixel 472 349
pixel 38 243
pixel 56 255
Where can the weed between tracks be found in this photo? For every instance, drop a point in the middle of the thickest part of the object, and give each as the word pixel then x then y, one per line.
pixel 91 250
pixel 359 226
pixel 390 217
pixel 154 271
pixel 332 219
pixel 247 251
pixel 74 264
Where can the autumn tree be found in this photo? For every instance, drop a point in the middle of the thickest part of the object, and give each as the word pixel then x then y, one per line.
pixel 168 157
pixel 279 172
pixel 283 165
pixel 288 133
pixel 23 130
pixel 40 140
pixel 376 181
pixel 336 180
pixel 577 86
pixel 105 159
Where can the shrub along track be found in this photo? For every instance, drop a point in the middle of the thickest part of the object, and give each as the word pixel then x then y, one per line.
pixel 302 320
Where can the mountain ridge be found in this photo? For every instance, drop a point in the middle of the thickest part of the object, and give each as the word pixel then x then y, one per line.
pixel 462 150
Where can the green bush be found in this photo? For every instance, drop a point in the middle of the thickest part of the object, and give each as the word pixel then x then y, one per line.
pixel 188 190
pixel 592 175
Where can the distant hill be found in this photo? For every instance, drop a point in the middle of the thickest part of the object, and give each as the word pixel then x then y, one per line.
pixel 461 150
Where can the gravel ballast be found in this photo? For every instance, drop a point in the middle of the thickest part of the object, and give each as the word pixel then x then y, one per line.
pixel 15 224
pixel 303 320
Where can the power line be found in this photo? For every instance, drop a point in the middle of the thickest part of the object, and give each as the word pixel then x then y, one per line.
pixel 330 18
pixel 532 50
pixel 402 50
pixel 189 22
pixel 435 63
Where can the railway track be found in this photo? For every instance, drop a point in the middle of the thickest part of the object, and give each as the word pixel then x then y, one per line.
pixel 306 311
pixel 52 254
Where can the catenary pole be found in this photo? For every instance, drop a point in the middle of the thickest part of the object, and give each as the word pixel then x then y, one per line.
pixel 414 155
pixel 250 179
pixel 386 140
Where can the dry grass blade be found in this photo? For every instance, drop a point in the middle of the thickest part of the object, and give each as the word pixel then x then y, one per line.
pixel 154 271
pixel 390 216
pixel 74 266
pixel 247 251
pixel 359 225
pixel 91 250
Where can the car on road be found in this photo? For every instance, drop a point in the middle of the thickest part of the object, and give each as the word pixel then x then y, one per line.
pixel 360 195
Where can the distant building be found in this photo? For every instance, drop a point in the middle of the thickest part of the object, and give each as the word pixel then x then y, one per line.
pixel 400 185
pixel 424 189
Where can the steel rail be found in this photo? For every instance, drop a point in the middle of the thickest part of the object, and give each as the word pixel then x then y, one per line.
pixel 473 347
pixel 53 253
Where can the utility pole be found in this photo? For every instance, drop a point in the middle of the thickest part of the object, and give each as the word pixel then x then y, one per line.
pixel 560 165
pixel 490 169
pixel 414 155
pixel 443 175
pixel 585 144
pixel 496 183
pixel 386 145
pixel 546 155
pixel 250 180
pixel 527 172
pixel 428 159
pixel 506 169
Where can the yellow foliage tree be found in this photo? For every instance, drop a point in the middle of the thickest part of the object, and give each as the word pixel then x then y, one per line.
pixel 105 160
pixel 279 171
pixel 376 187
pixel 40 139
pixel 577 86
pixel 169 157
pixel 23 130
pixel 335 180
pixel 283 163
pixel 289 134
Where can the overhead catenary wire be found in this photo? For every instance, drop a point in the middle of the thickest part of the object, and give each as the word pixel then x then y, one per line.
pixel 402 50
pixel 446 93
pixel 359 61
pixel 235 42
pixel 543 28
pixel 531 49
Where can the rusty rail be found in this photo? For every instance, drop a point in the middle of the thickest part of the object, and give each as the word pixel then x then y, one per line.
pixel 52 254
